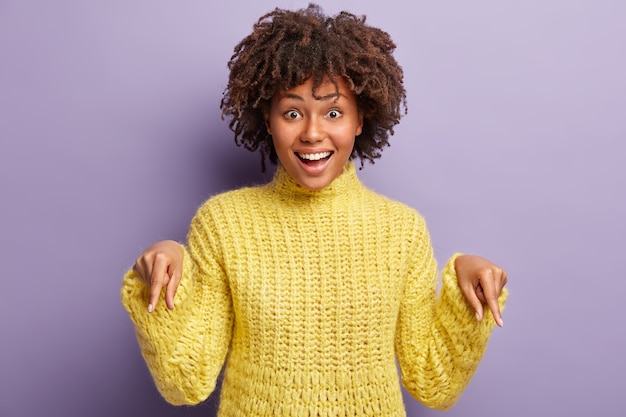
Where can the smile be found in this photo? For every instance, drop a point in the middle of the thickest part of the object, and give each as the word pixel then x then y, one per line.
pixel 313 156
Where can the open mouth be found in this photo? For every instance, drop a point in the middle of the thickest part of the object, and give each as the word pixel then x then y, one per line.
pixel 314 158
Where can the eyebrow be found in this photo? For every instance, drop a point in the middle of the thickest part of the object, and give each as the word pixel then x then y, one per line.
pixel 322 98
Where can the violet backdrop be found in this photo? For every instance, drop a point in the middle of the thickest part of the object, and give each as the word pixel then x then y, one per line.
pixel 513 148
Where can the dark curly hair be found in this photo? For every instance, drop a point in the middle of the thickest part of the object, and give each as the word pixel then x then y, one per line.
pixel 286 48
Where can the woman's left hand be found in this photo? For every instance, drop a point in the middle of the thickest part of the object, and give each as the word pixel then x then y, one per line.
pixel 481 282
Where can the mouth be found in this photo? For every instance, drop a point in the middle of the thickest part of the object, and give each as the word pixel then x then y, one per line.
pixel 313 158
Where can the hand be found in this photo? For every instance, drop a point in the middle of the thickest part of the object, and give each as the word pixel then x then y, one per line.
pixel 481 282
pixel 160 266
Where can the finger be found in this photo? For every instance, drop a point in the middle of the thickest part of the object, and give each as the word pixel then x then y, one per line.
pixel 472 298
pixel 158 279
pixel 172 286
pixel 488 284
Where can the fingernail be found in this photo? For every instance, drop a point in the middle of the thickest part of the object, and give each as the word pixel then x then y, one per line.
pixel 500 322
pixel 477 316
pixel 150 308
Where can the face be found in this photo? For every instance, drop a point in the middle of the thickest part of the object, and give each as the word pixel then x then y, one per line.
pixel 313 137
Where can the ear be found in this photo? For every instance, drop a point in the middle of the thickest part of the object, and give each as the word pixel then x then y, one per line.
pixel 266 116
pixel 359 127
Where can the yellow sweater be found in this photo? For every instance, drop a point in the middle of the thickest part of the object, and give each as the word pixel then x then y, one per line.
pixel 313 295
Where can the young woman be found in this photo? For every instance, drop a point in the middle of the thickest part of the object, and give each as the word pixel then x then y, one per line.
pixel 311 287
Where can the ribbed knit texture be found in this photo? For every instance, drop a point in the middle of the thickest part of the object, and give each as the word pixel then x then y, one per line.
pixel 313 295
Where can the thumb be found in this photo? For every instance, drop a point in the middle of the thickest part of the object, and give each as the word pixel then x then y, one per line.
pixel 171 288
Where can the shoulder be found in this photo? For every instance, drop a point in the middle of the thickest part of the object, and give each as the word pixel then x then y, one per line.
pixel 397 210
pixel 240 200
pixel 238 196
pixel 396 219
pixel 399 224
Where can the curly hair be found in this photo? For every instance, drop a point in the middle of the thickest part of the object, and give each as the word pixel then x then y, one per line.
pixel 286 48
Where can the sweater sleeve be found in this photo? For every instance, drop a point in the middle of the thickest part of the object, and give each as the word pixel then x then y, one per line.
pixel 439 343
pixel 185 348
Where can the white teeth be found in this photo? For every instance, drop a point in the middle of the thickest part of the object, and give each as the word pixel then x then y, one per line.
pixel 314 156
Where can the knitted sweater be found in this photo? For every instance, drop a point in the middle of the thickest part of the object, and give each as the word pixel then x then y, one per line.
pixel 313 295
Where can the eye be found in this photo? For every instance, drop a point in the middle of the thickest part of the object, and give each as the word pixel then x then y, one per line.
pixel 292 115
pixel 334 114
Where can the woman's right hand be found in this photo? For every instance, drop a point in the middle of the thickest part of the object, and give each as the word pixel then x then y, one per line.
pixel 160 266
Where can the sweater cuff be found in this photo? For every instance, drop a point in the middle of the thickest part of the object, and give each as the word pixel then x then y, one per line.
pixel 450 284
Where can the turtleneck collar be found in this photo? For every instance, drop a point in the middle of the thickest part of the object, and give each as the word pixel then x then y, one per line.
pixel 347 182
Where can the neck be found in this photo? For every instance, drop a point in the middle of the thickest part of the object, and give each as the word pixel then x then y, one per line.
pixel 346 182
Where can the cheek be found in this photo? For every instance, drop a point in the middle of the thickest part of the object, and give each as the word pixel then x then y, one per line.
pixel 348 137
pixel 281 144
pixel 346 146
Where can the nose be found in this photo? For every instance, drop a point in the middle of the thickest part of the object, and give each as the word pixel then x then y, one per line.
pixel 313 131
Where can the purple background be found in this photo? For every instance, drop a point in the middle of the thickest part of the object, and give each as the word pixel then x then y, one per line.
pixel 513 149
